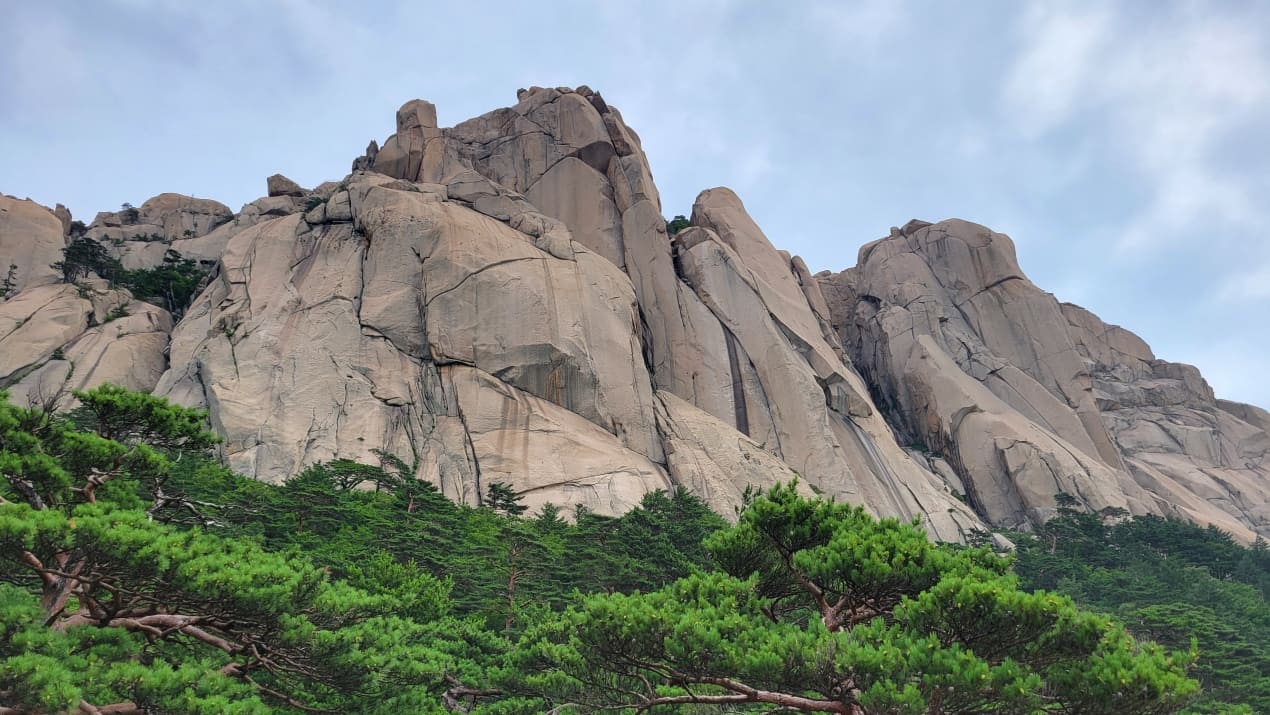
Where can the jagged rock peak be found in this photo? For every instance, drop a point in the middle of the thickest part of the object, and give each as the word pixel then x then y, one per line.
pixel 502 301
pixel 1028 398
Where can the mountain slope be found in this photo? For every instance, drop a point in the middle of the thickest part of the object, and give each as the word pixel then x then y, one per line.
pixel 501 301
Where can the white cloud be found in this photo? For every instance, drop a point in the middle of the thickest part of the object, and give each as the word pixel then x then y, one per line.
pixel 1051 79
pixel 861 25
pixel 1253 285
pixel 1162 93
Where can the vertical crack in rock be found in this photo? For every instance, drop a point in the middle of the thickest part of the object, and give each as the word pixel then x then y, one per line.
pixel 738 386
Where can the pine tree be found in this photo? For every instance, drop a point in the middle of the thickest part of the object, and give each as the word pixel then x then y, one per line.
pixel 502 498
pixel 822 608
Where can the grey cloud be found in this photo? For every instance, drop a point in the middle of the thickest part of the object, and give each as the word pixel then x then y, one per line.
pixel 832 121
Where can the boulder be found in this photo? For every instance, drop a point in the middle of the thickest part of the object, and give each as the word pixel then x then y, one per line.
pixel 163 218
pixel 35 323
pixel 279 185
pixel 128 351
pixel 546 453
pixel 57 338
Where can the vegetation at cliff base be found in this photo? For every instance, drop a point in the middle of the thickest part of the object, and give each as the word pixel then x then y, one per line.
pixel 1171 581
pixel 137 575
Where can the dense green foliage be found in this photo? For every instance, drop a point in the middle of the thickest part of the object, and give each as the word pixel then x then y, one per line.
pixel 822 608
pixel 171 284
pixel 1171 581
pixel 139 576
pixel 498 565
pixel 83 256
pixel 677 224
pixel 109 607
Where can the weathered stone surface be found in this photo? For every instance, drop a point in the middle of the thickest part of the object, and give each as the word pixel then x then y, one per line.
pixel 713 460
pixel 500 301
pixel 313 342
pixel 485 196
pixel 279 185
pixel 415 152
pixel 582 198
pixel 127 351
pixel 267 208
pixel 275 349
pixel 1250 414
pixel 1198 457
pixel 547 453
pixel 569 156
pixel 56 338
pixel 825 426
pixel 166 217
pixel 516 146
pixel 141 238
pixel 559 329
pixel 31 239
pixel 34 323
pixel 1026 397
pixel 771 274
pixel 63 214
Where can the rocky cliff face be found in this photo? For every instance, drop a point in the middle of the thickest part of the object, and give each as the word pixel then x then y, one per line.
pixel 500 301
pixel 1023 397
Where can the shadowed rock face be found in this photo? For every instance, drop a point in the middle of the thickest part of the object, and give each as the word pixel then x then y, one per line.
pixel 1025 397
pixel 500 301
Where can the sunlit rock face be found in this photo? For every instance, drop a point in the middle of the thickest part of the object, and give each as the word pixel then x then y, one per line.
pixel 57 337
pixel 1024 397
pixel 501 301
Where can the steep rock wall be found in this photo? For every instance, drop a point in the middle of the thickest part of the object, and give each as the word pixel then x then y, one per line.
pixel 501 301
pixel 1026 398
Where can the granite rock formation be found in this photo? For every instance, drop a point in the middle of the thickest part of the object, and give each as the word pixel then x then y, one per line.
pixel 501 301
pixel 1024 397
pixel 31 240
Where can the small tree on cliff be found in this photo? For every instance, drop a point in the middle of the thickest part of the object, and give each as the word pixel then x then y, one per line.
pixel 677 224
pixel 84 256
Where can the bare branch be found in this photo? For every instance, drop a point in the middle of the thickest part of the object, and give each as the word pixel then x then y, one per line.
pixel 769 697
pixel 114 709
pixel 284 697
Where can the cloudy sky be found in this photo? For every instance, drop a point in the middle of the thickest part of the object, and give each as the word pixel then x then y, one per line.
pixel 1125 147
